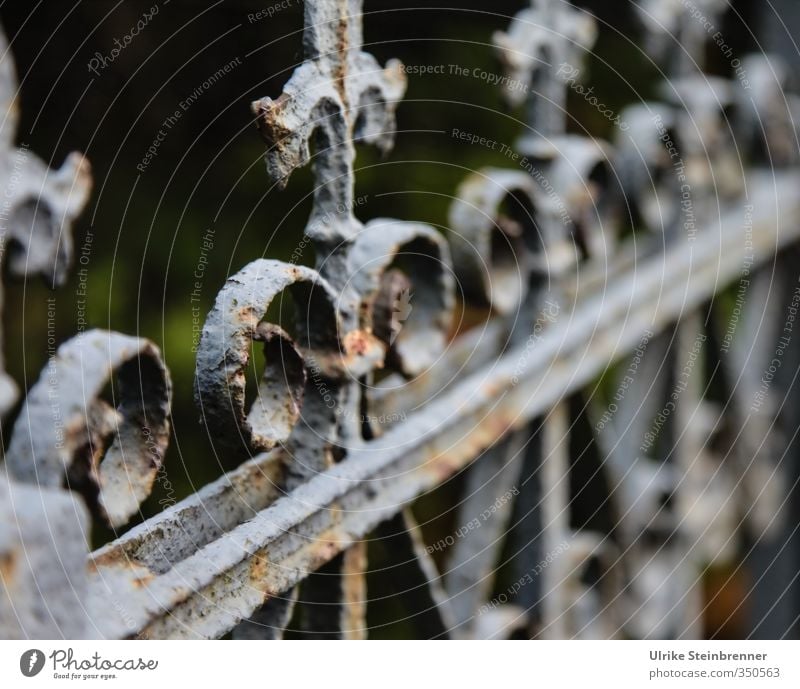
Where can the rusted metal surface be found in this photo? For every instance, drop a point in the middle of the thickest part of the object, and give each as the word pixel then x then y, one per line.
pixel 210 591
pixel 184 528
pixel 224 355
pixel 339 94
pixel 334 598
pixel 538 41
pixel 424 302
pixel 68 435
pixel 283 537
pixel 43 583
pixel 394 397
pixel 43 529
pixel 42 204
pixel 39 205
pixel 493 234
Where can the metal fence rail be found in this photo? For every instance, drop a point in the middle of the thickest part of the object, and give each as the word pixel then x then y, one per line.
pixel 686 476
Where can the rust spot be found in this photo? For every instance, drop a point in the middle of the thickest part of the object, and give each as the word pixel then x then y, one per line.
pixel 724 590
pixel 493 388
pixel 140 582
pixel 83 170
pixel 441 467
pixel 8 564
pixel 497 428
pixel 342 48
pixel 358 342
pixel 121 561
pixel 327 545
pixel 259 565
pixel 269 119
pixel 322 553
pixel 247 316
pixel 270 333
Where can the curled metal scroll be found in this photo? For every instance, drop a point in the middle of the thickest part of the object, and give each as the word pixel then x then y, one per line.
pixel 705 133
pixel 576 175
pixel 646 154
pixel 67 434
pixel 494 223
pixel 402 271
pixel 237 321
pixel 584 177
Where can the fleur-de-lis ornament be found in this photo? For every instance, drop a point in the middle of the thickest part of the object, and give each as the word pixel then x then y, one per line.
pixel 354 312
pixel 540 41
pixel 339 95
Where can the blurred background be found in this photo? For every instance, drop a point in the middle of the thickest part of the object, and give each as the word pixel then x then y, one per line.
pixel 204 205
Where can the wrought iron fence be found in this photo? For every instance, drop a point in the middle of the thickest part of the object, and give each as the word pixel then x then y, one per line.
pixel 603 475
